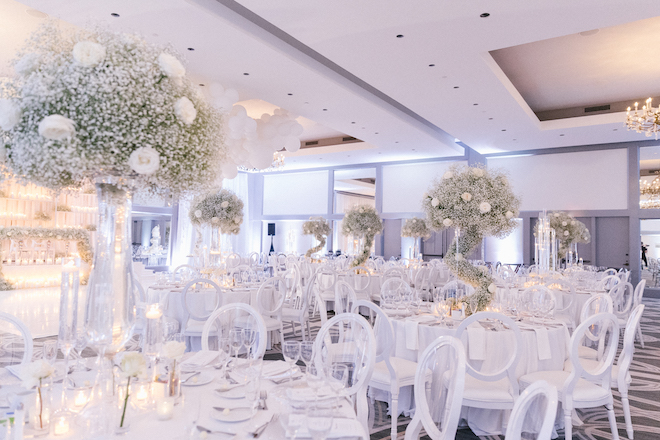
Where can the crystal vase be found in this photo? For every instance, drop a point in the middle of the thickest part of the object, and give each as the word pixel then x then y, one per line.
pixel 215 249
pixel 40 410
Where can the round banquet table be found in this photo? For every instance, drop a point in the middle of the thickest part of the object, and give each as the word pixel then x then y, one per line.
pixel 544 348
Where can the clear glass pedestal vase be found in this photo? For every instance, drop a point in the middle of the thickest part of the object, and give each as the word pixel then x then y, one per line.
pixel 40 409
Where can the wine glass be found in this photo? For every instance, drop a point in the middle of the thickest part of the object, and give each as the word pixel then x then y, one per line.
pixel 315 379
pixel 337 375
pixel 307 352
pixel 50 351
pixel 291 352
pixel 249 339
pixel 291 420
pixel 81 343
pixel 236 340
pixel 319 422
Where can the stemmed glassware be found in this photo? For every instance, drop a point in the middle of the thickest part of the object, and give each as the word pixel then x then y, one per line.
pixel 81 343
pixel 50 351
pixel 319 422
pixel 291 352
pixel 307 353
pixel 236 340
pixel 249 339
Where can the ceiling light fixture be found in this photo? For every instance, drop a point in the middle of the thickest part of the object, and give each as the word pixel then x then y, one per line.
pixel 114 14
pixel 399 36
pixel 652 190
pixel 277 165
pixel 484 15
pixel 646 122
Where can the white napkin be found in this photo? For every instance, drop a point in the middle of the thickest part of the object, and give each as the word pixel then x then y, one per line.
pixel 16 370
pixel 308 394
pixel 543 343
pixel 412 336
pixel 276 368
pixel 199 360
pixel 476 343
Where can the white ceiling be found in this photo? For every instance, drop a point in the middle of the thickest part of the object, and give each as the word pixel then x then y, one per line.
pixel 344 56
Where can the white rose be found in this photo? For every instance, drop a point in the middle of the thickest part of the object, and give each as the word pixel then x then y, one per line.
pixel 10 114
pixel 573 222
pixel 556 214
pixel 484 207
pixel 361 210
pixel 492 288
pixel 566 233
pixel 133 364
pixel 425 195
pixel 435 202
pixel 237 220
pixel 171 66
pixel 198 214
pixel 448 175
pixel 224 204
pixel 28 64
pixel 173 349
pixel 56 127
pixel 144 160
pixel 185 110
pixel 466 196
pixel 478 172
pixel 564 223
pixel 459 257
pixel 447 222
pixel 35 371
pixel 414 220
pixel 509 214
pixel 215 219
pixel 88 53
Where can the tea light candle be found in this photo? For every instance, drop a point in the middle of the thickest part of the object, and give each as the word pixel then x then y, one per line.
pixel 153 312
pixel 80 399
pixel 61 426
pixel 165 409
pixel 142 393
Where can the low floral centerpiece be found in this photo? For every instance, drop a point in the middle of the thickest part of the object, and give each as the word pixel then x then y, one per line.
pixel 476 202
pixel 363 222
pixel 568 230
pixel 319 228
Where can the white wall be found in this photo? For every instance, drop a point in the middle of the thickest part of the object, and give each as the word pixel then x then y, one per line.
pixel 404 185
pixel 569 181
pixel 296 193
pixel 508 250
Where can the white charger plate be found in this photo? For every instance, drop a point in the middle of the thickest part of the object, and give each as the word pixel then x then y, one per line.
pixel 232 393
pixel 202 379
pixel 233 416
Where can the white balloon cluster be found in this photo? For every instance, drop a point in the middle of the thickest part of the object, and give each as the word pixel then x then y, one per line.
pixel 251 143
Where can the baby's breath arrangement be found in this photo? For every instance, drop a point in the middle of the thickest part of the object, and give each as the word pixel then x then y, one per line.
pixel 479 202
pixel 102 102
pixel 364 221
pixel 415 227
pixel 42 216
pixel 222 209
pixel 63 208
pixel 568 230
pixel 319 228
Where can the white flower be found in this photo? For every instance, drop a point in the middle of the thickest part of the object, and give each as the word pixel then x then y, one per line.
pixel 173 349
pixel 435 202
pixel 88 53
pixel 425 195
pixel 35 371
pixel 448 175
pixel 28 64
pixel 478 172
pixel 466 196
pixel 414 220
pixel 509 214
pixel 171 66
pixel 573 222
pixel 459 257
pixel 10 114
pixel 566 233
pixel 237 220
pixel 564 223
pixel 198 213
pixel 492 288
pixel 56 127
pixel 133 364
pixel 215 219
pixel 361 210
pixel 447 222
pixel 185 110
pixel 484 207
pixel 144 160
pixel 556 214
pixel 224 204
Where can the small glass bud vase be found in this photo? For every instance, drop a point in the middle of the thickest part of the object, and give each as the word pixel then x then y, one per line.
pixel 41 408
pixel 173 380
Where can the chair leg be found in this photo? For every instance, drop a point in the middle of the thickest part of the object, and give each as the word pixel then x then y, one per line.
pixel 414 428
pixel 568 424
pixel 394 407
pixel 612 418
pixel 640 335
pixel 626 414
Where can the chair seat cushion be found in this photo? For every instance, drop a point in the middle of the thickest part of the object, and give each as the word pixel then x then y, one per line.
pixel 291 314
pixel 405 371
pixel 272 323
pixel 591 364
pixel 587 352
pixel 585 392
pixel 194 327
pixel 477 390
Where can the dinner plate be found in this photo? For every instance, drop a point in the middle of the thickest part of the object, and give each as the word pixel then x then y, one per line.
pixel 237 392
pixel 202 379
pixel 233 415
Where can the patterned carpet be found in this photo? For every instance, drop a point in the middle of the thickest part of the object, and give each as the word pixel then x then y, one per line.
pixel 644 391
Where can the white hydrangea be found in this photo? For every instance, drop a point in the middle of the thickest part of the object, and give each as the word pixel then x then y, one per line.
pixel 466 196
pixel 171 66
pixel 88 53
pixel 57 127
pixel 27 64
pixel 484 207
pixel 144 160
pixel 10 114
pixel 184 109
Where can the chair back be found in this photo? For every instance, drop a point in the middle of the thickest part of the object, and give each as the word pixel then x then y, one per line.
pixel 12 330
pixel 233 260
pixel 601 303
pixel 606 283
pixel 608 272
pixel 639 292
pixel 253 259
pixel 345 297
pixel 626 355
pixel 521 410
pixel 270 297
pixel 456 289
pixel 395 272
pixel 383 332
pixel 235 315
pixel 538 301
pixel 438 401
pixel 185 272
pixel 198 311
pixel 360 280
pixel 622 299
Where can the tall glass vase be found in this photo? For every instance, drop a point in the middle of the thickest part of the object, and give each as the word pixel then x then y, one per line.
pixel 416 248
pixel 215 249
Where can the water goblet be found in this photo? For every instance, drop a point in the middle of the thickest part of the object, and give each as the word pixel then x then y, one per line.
pixel 80 344
pixel 319 422
pixel 249 339
pixel 291 352
pixel 236 340
pixel 291 419
pixel 50 351
pixel 307 352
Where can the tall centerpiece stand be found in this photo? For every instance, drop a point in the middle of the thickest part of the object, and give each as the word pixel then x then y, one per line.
pixel 569 232
pixel 478 202
pixel 319 229
pixel 417 229
pixel 363 222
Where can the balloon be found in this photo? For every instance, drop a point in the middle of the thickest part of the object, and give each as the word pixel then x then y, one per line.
pixel 223 104
pixel 277 119
pixel 250 125
pixel 232 95
pixel 284 129
pixel 216 90
pixel 292 144
pixel 265 117
pixel 296 129
pixel 268 131
pixel 236 124
pixel 239 110
pixel 229 170
pixel 262 161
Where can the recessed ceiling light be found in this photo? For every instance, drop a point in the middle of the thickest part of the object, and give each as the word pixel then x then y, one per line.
pixel 201 85
pixel 589 33
pixel 413 149
pixel 353 122
pixel 114 14
pixel 490 119
pixel 290 94
pixel 431 65
pixel 325 109
pixel 515 139
pixel 504 129
pixel 380 153
pixel 246 74
pixel 561 135
pixel 191 49
pixel 616 129
pixel 376 133
pixel 348 155
pixel 306 102
pixel 475 104
pixel 455 87
pixel 35 13
pixel 396 142
pixel 400 36
pixel 484 15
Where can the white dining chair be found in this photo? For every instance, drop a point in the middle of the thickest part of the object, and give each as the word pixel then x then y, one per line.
pixel 184 272
pixel 521 411
pixel 196 312
pixel 270 298
pixel 12 330
pixel 348 339
pixel 390 373
pixel 359 278
pixel 637 300
pixel 231 316
pixel 576 388
pixel 601 303
pixel 345 297
pixel 565 300
pixel 390 288
pixel 606 283
pixel 296 308
pixel 497 386
pixel 233 260
pixel 438 401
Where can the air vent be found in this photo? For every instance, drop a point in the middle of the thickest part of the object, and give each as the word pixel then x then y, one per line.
pixel 598 108
pixel 311 143
pixel 348 138
pixel 327 142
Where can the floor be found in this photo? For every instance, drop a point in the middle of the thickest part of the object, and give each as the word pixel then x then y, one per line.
pixel 39 309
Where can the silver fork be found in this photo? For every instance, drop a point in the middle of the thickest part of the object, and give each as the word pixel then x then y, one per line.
pixel 263 395
pixel 260 430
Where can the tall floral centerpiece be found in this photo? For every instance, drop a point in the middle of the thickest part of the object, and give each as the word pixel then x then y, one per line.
pixel 416 228
pixel 569 231
pixel 115 109
pixel 221 211
pixel 319 228
pixel 477 203
pixel 363 222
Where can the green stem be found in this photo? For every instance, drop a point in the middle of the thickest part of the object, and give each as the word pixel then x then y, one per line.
pixel 41 406
pixel 123 414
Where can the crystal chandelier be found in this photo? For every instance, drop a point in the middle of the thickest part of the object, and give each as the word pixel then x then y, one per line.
pixel 652 190
pixel 647 121
pixel 277 165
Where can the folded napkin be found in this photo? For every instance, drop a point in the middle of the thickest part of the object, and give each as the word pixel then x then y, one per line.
pixel 341 427
pixel 199 360
pixel 309 394
pixel 276 368
pixel 412 335
pixel 543 343
pixel 476 343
